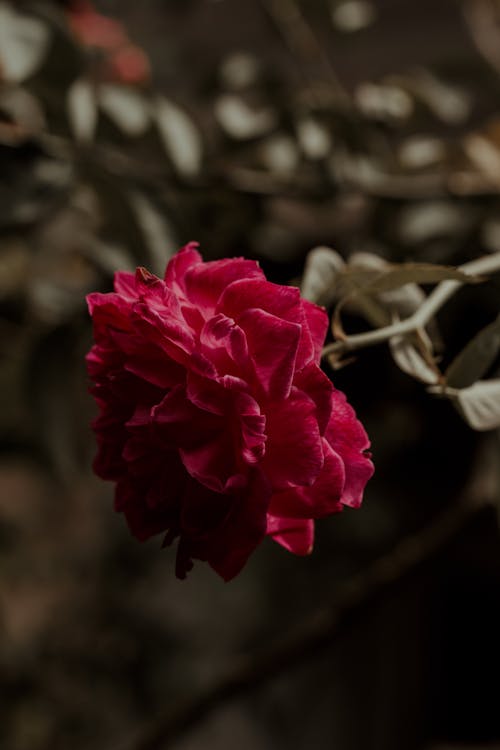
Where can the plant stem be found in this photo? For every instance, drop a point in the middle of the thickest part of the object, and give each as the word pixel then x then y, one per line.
pixel 436 299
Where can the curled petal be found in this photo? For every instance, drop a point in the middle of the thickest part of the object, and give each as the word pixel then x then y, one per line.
pixel 348 438
pixel 178 266
pixel 321 499
pixel 281 301
pixel 294 534
pixel 205 282
pixel 225 344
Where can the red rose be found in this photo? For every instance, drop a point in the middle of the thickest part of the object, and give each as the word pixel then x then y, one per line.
pixel 216 421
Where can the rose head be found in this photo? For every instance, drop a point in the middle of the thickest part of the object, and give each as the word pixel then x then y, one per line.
pixel 216 422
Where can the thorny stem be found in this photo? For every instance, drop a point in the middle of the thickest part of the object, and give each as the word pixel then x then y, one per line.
pixel 422 316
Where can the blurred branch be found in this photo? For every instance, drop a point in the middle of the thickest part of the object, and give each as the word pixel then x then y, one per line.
pixel 421 317
pixel 302 42
pixel 318 631
pixel 483 21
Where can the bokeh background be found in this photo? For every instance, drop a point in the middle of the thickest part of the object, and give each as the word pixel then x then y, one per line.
pixel 261 128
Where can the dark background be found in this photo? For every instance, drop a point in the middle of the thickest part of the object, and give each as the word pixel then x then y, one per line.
pixel 98 639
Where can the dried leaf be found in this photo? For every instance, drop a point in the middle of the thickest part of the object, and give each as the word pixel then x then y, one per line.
pixel 403 300
pixel 314 138
pixel 24 43
pixel 180 137
pixel 353 15
pixel 419 151
pixel 369 307
pixel 279 154
pixel 476 358
pixel 242 122
pixel 377 281
pixel 408 353
pixel 354 298
pixel 383 102
pixel 126 108
pixel 82 109
pixel 426 220
pixel 322 268
pixel 239 71
pixel 448 102
pixel 480 404
pixel 485 155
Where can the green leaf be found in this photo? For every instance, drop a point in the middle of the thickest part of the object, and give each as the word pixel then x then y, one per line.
pixel 476 358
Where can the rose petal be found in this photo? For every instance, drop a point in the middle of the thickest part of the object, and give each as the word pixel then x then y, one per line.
pixel 224 343
pixel 213 405
pixel 317 321
pixel 238 438
pixel 142 520
pixel 294 534
pixel 179 423
pixel 272 347
pixel 281 301
pixel 321 499
pixel 124 284
pixel 165 331
pixel 348 438
pixel 108 310
pixel 294 452
pixel 206 282
pixel 178 265
pixel 313 382
pixel 242 531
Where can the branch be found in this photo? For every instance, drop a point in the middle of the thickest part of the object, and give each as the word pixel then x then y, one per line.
pixel 318 631
pixel 422 316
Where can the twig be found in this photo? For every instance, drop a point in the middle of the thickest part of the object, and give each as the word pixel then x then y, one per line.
pixel 422 316
pixel 318 631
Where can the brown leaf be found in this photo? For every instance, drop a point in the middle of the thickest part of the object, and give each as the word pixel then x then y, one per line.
pixel 475 359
